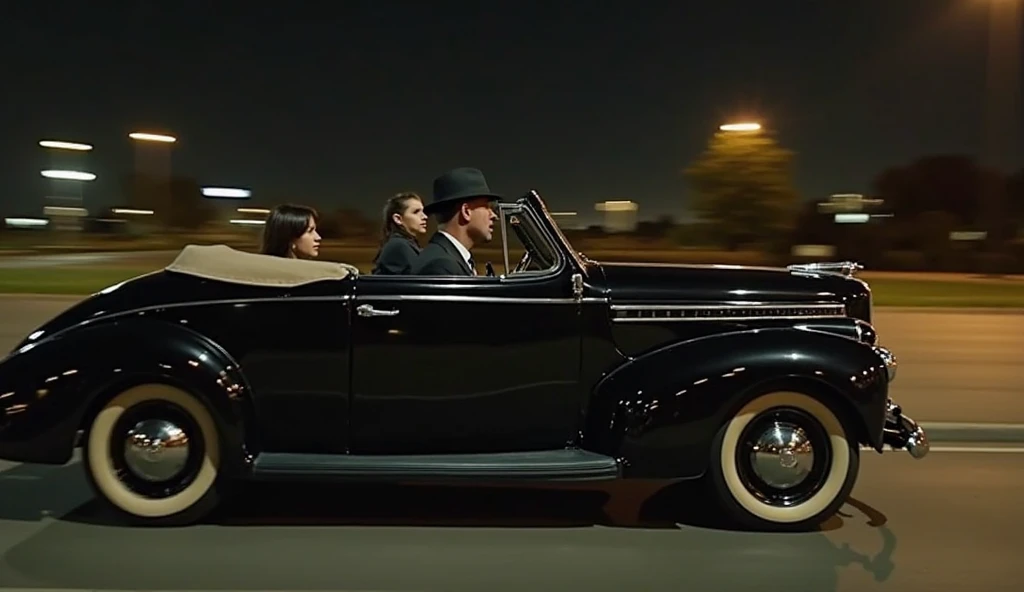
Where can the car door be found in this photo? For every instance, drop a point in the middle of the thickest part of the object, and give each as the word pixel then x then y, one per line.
pixel 294 352
pixel 467 364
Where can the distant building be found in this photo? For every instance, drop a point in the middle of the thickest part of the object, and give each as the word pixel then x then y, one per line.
pixel 851 208
pixel 619 215
pixel 65 218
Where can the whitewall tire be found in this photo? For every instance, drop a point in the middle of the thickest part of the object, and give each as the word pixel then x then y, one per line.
pixel 784 461
pixel 153 453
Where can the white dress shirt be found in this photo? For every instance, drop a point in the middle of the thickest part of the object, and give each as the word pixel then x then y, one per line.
pixel 466 256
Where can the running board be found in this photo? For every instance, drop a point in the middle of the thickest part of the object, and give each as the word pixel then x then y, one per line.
pixel 545 465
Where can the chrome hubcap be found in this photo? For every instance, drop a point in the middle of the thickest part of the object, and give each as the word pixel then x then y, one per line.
pixel 782 455
pixel 156 450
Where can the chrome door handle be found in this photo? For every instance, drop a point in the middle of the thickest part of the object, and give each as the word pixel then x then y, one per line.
pixel 365 310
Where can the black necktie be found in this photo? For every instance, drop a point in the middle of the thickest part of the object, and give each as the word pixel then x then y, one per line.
pixel 472 266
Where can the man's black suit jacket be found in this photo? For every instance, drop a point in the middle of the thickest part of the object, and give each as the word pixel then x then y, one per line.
pixel 440 257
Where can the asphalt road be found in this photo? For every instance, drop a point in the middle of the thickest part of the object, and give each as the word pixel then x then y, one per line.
pixel 951 522
pixel 954 367
pixel 965 367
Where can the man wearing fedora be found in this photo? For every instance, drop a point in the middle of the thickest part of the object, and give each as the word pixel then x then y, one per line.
pixel 465 219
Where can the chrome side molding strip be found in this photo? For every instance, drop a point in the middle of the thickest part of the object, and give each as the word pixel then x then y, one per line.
pixel 640 313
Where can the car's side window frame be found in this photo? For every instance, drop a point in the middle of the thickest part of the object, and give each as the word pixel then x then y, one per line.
pixel 538 232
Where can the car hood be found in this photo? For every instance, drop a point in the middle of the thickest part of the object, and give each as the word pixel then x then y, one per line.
pixel 652 282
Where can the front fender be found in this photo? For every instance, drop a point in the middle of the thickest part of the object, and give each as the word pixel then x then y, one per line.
pixel 660 412
pixel 49 389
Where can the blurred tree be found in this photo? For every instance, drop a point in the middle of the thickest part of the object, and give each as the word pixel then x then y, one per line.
pixel 974 196
pixel 932 238
pixel 653 229
pixel 744 189
pixel 812 226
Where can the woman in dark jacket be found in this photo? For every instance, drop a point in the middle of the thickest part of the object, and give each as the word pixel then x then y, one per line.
pixel 404 221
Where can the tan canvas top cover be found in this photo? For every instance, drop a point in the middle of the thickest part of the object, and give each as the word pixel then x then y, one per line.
pixel 221 262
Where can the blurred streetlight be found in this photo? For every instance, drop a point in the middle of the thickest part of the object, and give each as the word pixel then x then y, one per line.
pixel 147 137
pixel 68 175
pixel 61 145
pixel 231 192
pixel 26 222
pixel 746 126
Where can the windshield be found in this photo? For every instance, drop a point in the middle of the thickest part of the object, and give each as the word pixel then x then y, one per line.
pixel 559 236
pixel 525 247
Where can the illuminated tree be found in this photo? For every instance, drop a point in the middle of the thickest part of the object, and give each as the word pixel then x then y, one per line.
pixel 743 188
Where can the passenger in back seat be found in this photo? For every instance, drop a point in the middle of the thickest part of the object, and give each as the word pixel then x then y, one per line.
pixel 404 222
pixel 290 232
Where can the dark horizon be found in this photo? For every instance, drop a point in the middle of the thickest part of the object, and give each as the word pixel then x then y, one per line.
pixel 582 103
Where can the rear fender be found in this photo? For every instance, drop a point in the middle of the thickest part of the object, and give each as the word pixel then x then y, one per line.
pixel 56 385
pixel 660 412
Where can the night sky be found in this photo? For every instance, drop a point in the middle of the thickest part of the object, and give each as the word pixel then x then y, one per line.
pixel 344 103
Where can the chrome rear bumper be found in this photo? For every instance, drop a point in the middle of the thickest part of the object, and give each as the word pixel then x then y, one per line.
pixel 902 433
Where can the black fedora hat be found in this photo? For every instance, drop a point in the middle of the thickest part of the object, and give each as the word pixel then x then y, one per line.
pixel 458 185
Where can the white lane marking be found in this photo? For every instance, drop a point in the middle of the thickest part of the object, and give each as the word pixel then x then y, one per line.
pixel 960 425
pixel 980 449
pixel 983 449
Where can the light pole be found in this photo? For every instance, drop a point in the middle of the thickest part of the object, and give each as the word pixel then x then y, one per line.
pixel 152 183
pixel 1001 119
pixel 153 153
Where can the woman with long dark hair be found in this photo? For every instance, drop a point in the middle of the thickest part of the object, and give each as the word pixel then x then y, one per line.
pixel 290 231
pixel 404 221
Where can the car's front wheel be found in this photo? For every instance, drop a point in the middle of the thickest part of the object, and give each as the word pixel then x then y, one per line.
pixel 784 461
pixel 153 453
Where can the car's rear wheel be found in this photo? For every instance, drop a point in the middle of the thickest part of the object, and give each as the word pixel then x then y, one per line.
pixel 153 453
pixel 784 461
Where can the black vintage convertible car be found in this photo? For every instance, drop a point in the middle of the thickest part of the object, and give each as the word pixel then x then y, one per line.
pixel 227 366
